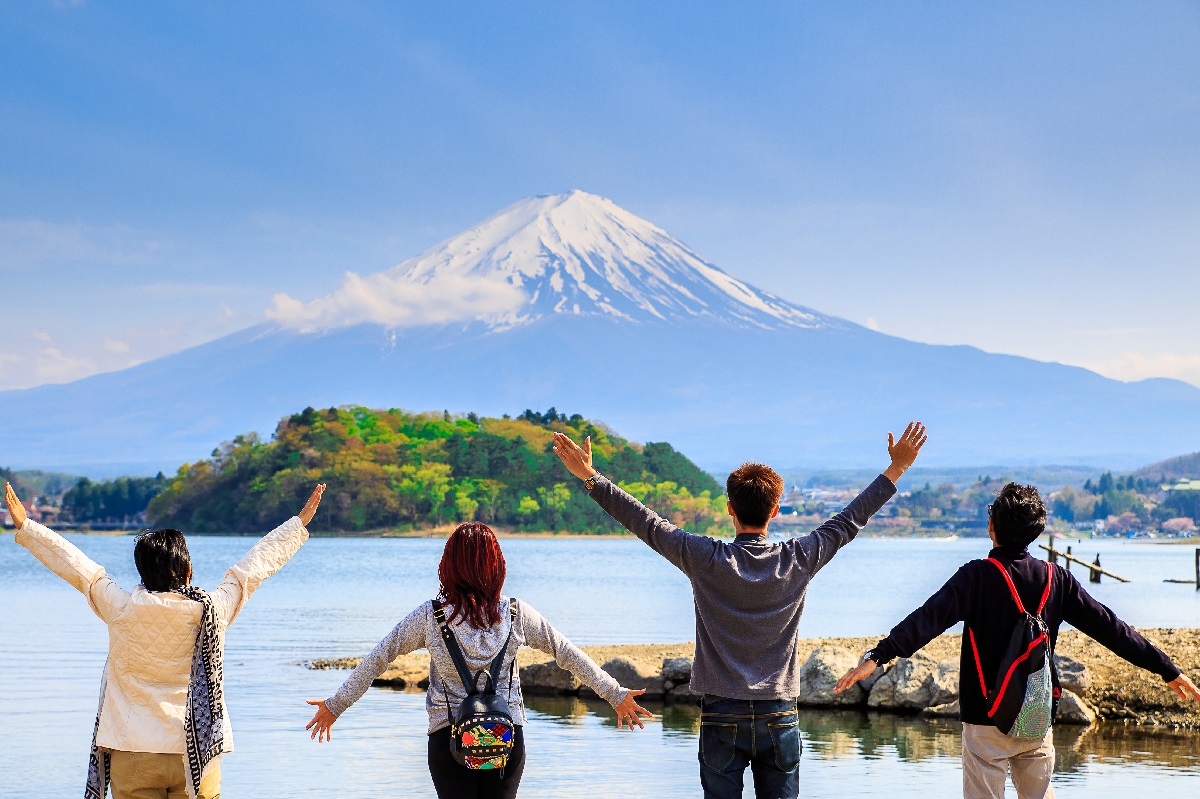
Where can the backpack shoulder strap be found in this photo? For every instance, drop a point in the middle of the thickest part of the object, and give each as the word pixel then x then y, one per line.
pixel 978 665
pixel 1046 592
pixel 1012 589
pixel 451 642
pixel 498 661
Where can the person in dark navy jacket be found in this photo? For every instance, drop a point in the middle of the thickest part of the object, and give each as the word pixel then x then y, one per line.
pixel 979 595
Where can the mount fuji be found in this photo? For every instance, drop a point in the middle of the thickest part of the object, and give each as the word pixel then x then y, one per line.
pixel 570 301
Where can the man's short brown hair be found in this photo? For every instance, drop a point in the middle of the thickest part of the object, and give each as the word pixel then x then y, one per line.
pixel 754 490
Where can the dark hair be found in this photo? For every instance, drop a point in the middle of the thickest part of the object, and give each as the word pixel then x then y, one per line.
pixel 472 573
pixel 1018 516
pixel 162 559
pixel 754 490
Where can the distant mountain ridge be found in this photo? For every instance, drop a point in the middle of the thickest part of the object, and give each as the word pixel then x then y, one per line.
pixel 1181 467
pixel 570 301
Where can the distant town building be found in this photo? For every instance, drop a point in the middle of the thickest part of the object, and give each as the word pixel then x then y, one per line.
pixel 1183 484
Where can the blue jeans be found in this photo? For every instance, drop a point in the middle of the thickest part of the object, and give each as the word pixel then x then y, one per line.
pixel 760 733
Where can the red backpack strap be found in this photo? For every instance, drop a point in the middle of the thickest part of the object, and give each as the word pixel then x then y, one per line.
pixel 1046 593
pixel 978 665
pixel 1012 588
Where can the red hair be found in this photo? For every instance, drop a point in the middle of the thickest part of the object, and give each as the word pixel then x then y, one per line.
pixel 472 573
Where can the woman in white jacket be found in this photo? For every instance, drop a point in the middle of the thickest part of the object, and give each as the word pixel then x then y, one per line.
pixel 162 723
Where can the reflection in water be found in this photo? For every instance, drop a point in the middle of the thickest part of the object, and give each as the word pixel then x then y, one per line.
pixel 1117 743
pixel 850 735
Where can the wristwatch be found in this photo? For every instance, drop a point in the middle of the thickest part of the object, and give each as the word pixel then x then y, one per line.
pixel 590 483
pixel 870 655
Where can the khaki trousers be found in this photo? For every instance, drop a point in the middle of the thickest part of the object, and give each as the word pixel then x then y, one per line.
pixel 988 755
pixel 150 775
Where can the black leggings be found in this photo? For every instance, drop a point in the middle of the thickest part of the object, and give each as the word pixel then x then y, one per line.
pixel 452 780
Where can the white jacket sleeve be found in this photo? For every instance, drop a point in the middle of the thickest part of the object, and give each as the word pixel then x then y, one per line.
pixel 265 558
pixel 105 597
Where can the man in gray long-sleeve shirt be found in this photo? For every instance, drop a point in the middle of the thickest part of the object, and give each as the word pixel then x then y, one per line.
pixel 749 595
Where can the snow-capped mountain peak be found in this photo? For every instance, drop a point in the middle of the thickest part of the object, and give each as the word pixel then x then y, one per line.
pixel 573 253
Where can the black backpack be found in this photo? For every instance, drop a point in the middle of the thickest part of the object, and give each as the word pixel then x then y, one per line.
pixel 1024 692
pixel 481 730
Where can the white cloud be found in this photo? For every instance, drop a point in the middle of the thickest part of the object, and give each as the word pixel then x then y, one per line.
pixel 41 358
pixel 1136 366
pixel 52 365
pixel 398 302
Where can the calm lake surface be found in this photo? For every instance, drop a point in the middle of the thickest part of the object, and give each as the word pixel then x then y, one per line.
pixel 338 597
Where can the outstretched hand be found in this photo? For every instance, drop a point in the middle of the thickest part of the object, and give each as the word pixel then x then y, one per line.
pixel 628 710
pixel 16 511
pixel 310 508
pixel 860 672
pixel 1185 687
pixel 322 721
pixel 577 459
pixel 905 451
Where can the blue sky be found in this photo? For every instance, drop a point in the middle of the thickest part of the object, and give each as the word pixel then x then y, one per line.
pixel 1023 177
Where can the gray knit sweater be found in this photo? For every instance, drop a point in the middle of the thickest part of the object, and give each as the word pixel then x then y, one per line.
pixel 749 593
pixel 419 630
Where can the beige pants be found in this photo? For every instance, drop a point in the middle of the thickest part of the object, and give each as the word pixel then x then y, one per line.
pixel 988 755
pixel 148 775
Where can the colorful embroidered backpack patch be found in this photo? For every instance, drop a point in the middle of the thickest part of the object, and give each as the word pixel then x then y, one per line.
pixel 486 742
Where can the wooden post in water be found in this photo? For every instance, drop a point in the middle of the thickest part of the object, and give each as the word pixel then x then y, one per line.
pixel 1052 555
pixel 1094 574
pixel 1068 557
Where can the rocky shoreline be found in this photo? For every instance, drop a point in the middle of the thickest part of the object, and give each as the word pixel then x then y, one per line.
pixel 1098 685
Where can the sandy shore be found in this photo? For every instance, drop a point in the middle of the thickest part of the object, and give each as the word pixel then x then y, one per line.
pixel 1119 691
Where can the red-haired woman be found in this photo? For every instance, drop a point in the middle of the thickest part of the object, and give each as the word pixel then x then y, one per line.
pixel 484 623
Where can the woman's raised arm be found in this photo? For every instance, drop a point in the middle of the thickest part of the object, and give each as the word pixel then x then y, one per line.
pixel 263 560
pixel 66 560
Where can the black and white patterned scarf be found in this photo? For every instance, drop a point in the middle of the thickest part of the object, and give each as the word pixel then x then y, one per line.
pixel 203 724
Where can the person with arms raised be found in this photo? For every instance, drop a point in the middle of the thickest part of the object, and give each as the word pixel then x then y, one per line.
pixel 1012 605
pixel 162 725
pixel 749 596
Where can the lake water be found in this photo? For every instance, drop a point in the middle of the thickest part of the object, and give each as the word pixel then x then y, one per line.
pixel 338 597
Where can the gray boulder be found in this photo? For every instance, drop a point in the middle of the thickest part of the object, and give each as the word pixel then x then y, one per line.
pixel 677 670
pixel 946 710
pixel 916 683
pixel 387 680
pixel 631 675
pixel 682 693
pixel 1073 710
pixel 548 679
pixel 820 673
pixel 945 683
pixel 1072 675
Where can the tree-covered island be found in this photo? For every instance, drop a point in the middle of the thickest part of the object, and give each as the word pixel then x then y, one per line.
pixel 397 470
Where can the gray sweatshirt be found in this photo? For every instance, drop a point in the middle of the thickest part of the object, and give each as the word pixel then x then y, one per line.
pixel 419 630
pixel 749 593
